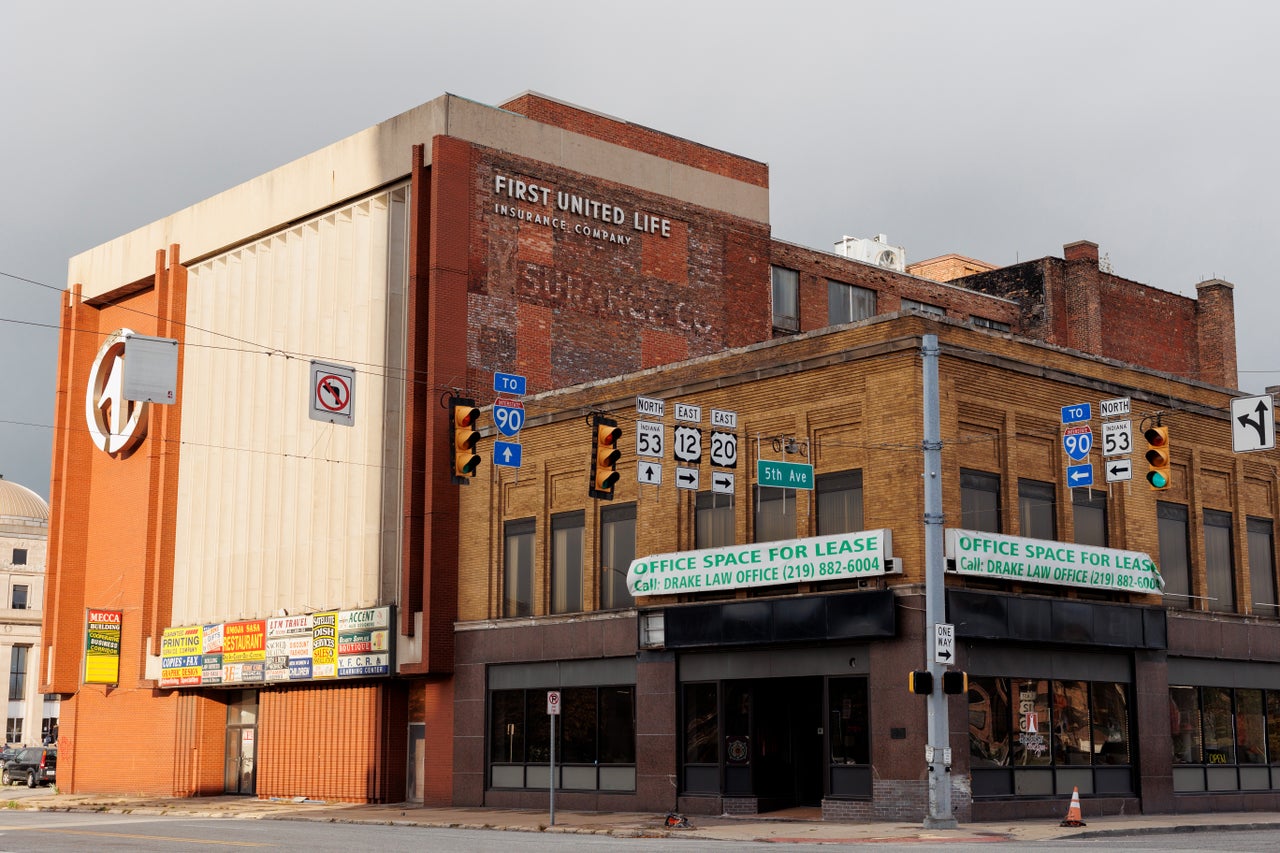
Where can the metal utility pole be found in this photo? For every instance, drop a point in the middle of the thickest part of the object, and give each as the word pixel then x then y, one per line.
pixel 938 749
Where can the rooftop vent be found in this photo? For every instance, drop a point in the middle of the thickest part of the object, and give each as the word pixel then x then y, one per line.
pixel 875 250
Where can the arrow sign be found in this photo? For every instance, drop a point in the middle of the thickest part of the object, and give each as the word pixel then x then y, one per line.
pixel 649 474
pixel 687 478
pixel 944 642
pixel 1253 424
pixel 1118 470
pixel 506 454
pixel 722 482
pixel 1079 475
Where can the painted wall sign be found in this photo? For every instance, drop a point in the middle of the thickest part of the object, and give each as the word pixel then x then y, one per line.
pixel 563 210
pixel 993 555
pixel 822 558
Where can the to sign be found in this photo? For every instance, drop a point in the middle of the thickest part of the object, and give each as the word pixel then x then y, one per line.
pixel 649 439
pixel 1117 438
pixel 508 383
pixel 1078 441
pixel 688 444
pixel 1078 412
pixel 724 449
pixel 553 702
pixel 944 643
pixel 508 416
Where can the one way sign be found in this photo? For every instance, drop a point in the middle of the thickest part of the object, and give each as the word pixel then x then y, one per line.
pixel 944 643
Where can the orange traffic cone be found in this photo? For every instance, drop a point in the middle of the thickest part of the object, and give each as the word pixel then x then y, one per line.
pixel 1073 813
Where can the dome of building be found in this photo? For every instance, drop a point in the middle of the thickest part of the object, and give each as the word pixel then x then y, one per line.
pixel 17 501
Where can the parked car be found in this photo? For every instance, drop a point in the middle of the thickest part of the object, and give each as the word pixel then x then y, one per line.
pixel 37 765
pixel 8 754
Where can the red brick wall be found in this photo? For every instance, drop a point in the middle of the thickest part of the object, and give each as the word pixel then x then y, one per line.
pixel 639 138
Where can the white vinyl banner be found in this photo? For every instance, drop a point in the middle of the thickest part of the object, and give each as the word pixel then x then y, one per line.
pixel 991 555
pixel 821 558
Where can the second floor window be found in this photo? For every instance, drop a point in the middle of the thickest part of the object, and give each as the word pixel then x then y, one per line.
pixel 775 514
pixel 1262 565
pixel 517 570
pixel 567 533
pixel 19 556
pixel 617 550
pixel 980 501
pixel 18 672
pixel 839 498
pixel 847 303
pixel 19 599
pixel 923 307
pixel 1175 553
pixel 1090 511
pixel 1218 563
pixel 786 299
pixel 1037 518
pixel 713 521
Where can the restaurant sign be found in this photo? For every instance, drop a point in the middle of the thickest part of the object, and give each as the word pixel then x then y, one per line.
pixel 992 555
pixel 307 647
pixel 842 556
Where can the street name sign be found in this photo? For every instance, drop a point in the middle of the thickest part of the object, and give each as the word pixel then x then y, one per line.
pixel 784 475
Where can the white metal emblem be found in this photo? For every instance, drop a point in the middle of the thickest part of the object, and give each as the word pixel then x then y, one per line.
pixel 116 425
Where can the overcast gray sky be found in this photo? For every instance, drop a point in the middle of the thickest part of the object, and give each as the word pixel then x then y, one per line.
pixel 999 130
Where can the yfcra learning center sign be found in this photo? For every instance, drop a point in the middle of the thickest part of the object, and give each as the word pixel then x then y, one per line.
pixel 822 558
pixel 992 555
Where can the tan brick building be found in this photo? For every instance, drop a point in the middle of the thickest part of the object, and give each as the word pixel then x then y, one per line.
pixel 297 573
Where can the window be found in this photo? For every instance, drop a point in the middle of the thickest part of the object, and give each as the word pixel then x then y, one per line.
pixel 847 303
pixel 986 323
pixel 1175 553
pixel 839 498
pixel 701 724
pixel 775 514
pixel 713 521
pixel 567 533
pixel 617 550
pixel 596 732
pixel 923 307
pixel 786 299
pixel 1222 726
pixel 18 672
pixel 1090 510
pixel 19 599
pixel 847 713
pixel 518 569
pixel 980 501
pixel 49 723
pixel 1262 565
pixel 19 556
pixel 1037 518
pixel 1218 562
pixel 13 730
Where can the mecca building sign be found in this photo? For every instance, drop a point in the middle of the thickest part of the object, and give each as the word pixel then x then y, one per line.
pixel 991 555
pixel 308 647
pixel 842 556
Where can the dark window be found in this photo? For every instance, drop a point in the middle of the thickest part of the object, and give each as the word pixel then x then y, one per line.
pixel 986 323
pixel 701 724
pixel 1218 561
pixel 1262 565
pixel 597 726
pixel 775 514
pixel 18 672
pixel 518 569
pixel 839 498
pixel 713 521
pixel 847 713
pixel 847 303
pixel 13 730
pixel 786 299
pixel 1175 553
pixel 1037 515
pixel 979 501
pixel 1184 724
pixel 1090 509
pixel 19 556
pixel 617 550
pixel 1221 725
pixel 567 541
pixel 923 307
pixel 19 600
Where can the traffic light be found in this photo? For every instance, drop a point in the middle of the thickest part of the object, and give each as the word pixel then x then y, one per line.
pixel 920 682
pixel 955 683
pixel 462 426
pixel 605 433
pixel 1158 456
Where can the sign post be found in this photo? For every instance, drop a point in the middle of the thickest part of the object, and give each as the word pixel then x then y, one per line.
pixel 553 711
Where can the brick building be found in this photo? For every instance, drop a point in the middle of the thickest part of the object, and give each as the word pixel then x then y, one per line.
pixel 296 573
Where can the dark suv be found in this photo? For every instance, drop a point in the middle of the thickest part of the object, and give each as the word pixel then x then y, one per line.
pixel 37 765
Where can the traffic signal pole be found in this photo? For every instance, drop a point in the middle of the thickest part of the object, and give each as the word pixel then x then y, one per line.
pixel 938 750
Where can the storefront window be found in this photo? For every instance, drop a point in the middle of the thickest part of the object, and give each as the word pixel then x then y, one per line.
pixel 1184 724
pixel 1031 747
pixel 506 726
pixel 1110 723
pixel 1273 726
pixel 847 712
pixel 1250 745
pixel 701 724
pixel 617 722
pixel 989 722
pixel 1219 737
pixel 1073 737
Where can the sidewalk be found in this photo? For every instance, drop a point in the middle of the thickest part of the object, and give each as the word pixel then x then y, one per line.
pixel 636 824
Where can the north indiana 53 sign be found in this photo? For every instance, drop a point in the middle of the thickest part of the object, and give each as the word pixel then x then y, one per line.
pixel 821 558
pixel 990 555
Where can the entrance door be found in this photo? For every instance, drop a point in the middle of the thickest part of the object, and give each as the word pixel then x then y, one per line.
pixel 240 775
pixel 780 761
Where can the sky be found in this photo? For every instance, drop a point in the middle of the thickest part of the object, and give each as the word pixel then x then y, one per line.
pixel 997 130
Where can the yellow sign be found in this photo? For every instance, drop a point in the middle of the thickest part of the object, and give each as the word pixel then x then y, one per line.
pixel 102 647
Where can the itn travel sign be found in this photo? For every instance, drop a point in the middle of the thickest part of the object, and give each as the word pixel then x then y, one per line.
pixel 822 558
pixel 991 555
